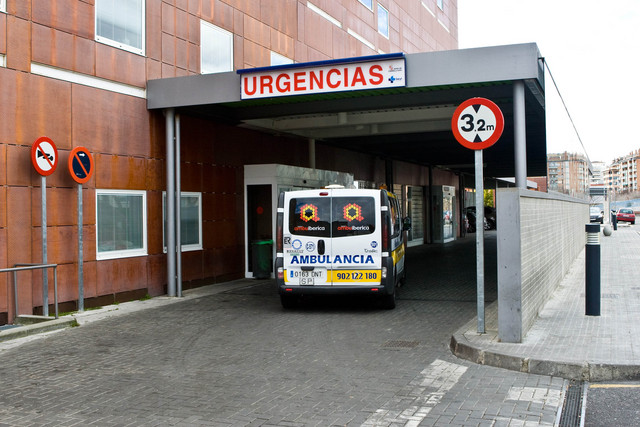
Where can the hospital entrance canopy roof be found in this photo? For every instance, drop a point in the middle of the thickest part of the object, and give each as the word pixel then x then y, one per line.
pixel 410 123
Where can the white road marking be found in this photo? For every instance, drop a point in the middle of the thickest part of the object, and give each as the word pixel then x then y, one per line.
pixel 440 375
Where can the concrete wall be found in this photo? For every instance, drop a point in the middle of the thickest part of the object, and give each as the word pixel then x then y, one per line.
pixel 539 237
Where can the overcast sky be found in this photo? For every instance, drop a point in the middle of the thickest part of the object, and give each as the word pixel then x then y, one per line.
pixel 593 51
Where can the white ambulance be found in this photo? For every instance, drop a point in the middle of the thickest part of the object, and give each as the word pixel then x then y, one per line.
pixel 339 241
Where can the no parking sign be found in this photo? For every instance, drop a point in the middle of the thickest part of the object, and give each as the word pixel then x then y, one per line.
pixel 80 165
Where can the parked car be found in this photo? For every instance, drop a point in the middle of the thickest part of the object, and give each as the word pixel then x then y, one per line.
pixel 596 214
pixel 489 217
pixel 626 214
pixel 470 216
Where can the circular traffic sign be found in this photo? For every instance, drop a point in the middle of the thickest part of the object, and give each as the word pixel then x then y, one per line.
pixel 44 156
pixel 477 123
pixel 80 165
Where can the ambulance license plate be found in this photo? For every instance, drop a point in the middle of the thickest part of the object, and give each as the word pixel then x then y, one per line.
pixel 308 277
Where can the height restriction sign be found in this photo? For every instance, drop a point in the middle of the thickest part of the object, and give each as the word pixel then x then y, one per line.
pixel 44 156
pixel 477 123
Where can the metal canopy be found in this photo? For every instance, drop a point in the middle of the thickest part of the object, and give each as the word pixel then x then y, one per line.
pixel 411 124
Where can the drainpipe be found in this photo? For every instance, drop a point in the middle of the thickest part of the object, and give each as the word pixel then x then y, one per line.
pixel 178 209
pixel 171 203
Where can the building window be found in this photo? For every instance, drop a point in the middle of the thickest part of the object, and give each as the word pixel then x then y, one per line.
pixel 441 4
pixel 277 59
pixel 121 223
pixel 383 21
pixel 368 3
pixel 120 23
pixel 216 49
pixel 3 5
pixel 190 221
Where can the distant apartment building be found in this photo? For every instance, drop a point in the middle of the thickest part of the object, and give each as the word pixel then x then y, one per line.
pixel 622 175
pixel 568 173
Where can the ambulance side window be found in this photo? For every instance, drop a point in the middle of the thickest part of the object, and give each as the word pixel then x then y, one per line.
pixel 310 216
pixel 395 217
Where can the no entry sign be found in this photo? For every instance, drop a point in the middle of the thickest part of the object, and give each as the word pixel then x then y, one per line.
pixel 80 165
pixel 477 123
pixel 44 156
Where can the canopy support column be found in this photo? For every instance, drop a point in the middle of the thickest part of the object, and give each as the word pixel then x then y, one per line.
pixel 171 203
pixel 520 134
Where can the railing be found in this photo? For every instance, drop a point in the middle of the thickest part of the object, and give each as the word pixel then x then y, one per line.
pixel 22 267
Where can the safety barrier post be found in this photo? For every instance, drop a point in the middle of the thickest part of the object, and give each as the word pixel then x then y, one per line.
pixel 592 270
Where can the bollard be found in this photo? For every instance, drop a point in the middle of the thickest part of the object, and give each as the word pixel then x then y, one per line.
pixel 592 270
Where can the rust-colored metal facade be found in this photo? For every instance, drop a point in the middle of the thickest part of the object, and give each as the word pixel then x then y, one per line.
pixel 128 141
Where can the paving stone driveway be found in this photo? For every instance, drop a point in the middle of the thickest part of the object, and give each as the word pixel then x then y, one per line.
pixel 237 358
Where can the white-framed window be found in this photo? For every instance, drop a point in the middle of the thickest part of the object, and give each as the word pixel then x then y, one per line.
pixel 383 21
pixel 120 23
pixel 277 59
pixel 441 4
pixel 121 223
pixel 368 3
pixel 190 221
pixel 3 5
pixel 216 49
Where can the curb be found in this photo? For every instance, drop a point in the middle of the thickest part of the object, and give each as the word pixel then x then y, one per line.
pixel 585 371
pixel 37 328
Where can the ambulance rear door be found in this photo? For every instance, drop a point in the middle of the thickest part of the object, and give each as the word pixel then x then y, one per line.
pixel 356 238
pixel 307 238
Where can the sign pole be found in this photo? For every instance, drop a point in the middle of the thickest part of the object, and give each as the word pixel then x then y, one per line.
pixel 80 254
pixel 81 169
pixel 477 124
pixel 45 277
pixel 480 239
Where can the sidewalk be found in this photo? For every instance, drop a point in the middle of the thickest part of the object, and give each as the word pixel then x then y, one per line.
pixel 564 341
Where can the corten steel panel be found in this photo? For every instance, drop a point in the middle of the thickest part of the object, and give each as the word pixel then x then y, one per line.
pixel 257 31
pixel 249 7
pixel 18 43
pixel 21 9
pixel 3 212
pixel 223 15
pixel 108 122
pixel 280 15
pixel 154 222
pixel 62 244
pixel 19 167
pixel 193 58
pixel 120 66
pixel 153 30
pixel 168 19
pixel 182 54
pixel 228 261
pixel 156 274
pixel 192 265
pixel 238 52
pixel 181 24
pixel 121 274
pixel 19 225
pixel 318 33
pixel 41 107
pixel 255 55
pixel 209 262
pixel 71 16
pixel 3 33
pixel 282 43
pixel 154 69
pixel 6 284
pixel 156 170
pixel 62 203
pixel 3 164
pixel 168 49
pixel 120 172
pixel 191 179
